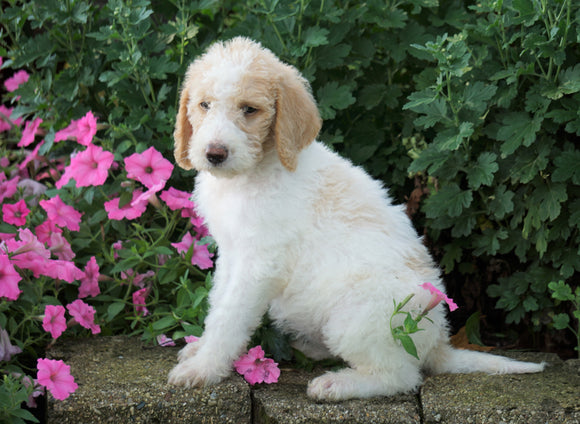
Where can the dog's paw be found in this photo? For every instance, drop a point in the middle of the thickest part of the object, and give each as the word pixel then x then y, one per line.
pixel 189 351
pixel 326 387
pixel 195 371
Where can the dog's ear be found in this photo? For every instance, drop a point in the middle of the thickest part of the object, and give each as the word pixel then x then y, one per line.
pixel 183 129
pixel 297 119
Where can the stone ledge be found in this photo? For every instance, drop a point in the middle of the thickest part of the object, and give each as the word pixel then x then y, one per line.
pixel 121 381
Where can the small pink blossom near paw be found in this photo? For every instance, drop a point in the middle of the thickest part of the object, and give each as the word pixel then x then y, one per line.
pixel 55 376
pixel 163 340
pixel 191 339
pixel 437 296
pixel 256 368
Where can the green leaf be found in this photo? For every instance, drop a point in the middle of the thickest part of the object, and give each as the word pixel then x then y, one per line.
pixel 567 167
pixel 489 241
pixel 547 200
pixel 164 323
pixel 481 172
pixel 315 36
pixel 561 291
pixel 517 129
pixel 502 202
pixel 476 96
pixel 410 324
pixel 450 200
pixel 408 345
pixel 430 160
pixel 561 321
pixel 451 138
pixel 419 98
pixel 114 309
pixel 472 329
pixel 332 97
pixel 530 304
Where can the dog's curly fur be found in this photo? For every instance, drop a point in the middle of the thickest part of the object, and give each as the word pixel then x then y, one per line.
pixel 303 235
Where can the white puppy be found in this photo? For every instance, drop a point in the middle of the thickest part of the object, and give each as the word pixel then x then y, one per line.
pixel 303 235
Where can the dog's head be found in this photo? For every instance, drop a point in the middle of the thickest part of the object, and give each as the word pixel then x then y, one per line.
pixel 239 102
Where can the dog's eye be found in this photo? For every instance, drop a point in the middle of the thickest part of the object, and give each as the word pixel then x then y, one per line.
pixel 204 105
pixel 249 110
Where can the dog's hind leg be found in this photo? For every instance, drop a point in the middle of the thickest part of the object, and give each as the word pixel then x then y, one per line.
pixel 354 383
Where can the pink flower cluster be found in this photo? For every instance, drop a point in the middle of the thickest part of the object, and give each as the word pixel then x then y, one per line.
pixel 256 368
pixel 38 244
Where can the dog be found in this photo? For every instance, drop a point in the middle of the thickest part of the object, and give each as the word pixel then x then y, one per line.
pixel 303 235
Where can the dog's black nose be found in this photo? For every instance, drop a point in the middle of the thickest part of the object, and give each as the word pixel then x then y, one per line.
pixel 216 153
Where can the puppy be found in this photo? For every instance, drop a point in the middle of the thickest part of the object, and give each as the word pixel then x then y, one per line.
pixel 303 235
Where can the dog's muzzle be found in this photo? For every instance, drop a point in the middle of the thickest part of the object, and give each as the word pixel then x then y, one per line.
pixel 216 154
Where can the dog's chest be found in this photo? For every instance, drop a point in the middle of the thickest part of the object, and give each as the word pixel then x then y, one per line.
pixel 236 212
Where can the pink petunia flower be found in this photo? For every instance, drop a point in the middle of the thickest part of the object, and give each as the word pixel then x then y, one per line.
pixel 16 80
pixel 37 390
pixel 55 376
pixel 436 297
pixel 256 368
pixel 149 168
pixel 31 157
pixel 62 270
pixel 9 279
pixel 201 255
pixel 29 132
pixel 191 339
pixel 88 168
pixel 150 196
pixel 6 122
pixel 54 321
pixel 15 213
pixel 163 340
pixel 90 281
pixel 60 247
pixel 8 188
pixel 61 214
pixel 7 349
pixel 138 279
pixel 177 199
pixel 128 211
pixel 139 301
pixel 83 130
pixel 45 230
pixel 84 314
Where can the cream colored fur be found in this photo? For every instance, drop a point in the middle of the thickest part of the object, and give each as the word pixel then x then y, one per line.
pixel 303 235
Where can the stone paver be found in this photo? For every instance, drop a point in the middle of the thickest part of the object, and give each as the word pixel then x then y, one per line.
pixel 123 381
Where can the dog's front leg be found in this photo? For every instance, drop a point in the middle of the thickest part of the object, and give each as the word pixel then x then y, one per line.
pixel 237 304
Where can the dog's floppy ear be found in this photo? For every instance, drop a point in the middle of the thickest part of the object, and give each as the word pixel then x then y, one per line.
pixel 297 119
pixel 183 129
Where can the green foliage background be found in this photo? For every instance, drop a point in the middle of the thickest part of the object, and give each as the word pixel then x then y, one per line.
pixel 475 107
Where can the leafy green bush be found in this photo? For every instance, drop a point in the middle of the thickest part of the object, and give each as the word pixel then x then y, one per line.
pixel 499 111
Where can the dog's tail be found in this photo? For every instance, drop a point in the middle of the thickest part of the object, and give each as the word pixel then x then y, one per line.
pixel 446 359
